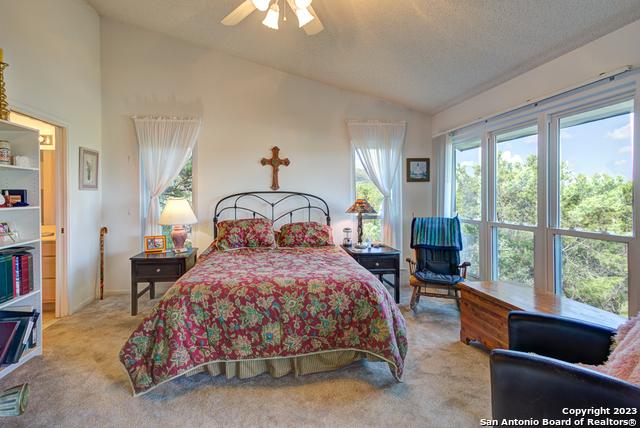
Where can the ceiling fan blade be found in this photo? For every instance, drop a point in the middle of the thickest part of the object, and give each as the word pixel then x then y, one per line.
pixel 240 13
pixel 315 26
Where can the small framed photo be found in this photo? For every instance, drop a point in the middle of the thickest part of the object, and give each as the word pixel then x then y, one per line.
pixel 155 244
pixel 418 169
pixel 89 164
pixel 6 234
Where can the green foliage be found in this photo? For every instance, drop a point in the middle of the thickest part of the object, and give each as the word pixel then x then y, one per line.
pixel 593 271
pixel 371 225
pixel 182 187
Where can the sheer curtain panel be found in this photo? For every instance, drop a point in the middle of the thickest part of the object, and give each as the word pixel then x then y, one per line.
pixel 379 147
pixel 165 146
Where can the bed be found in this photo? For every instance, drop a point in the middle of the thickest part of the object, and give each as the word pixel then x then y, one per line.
pixel 276 310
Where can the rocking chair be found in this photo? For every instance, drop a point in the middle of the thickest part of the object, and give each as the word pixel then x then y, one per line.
pixel 437 270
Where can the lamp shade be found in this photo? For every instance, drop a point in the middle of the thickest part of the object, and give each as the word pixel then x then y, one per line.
pixel 361 206
pixel 177 211
pixel 304 17
pixel 273 16
pixel 261 5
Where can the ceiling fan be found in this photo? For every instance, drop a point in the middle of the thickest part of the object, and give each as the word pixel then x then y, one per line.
pixel 307 18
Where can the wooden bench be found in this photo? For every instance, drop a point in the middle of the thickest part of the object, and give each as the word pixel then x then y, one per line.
pixel 485 305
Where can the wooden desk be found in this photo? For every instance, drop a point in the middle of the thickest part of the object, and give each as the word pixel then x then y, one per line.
pixel 485 305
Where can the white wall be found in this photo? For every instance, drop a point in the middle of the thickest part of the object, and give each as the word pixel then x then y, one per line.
pixel 615 50
pixel 246 109
pixel 53 48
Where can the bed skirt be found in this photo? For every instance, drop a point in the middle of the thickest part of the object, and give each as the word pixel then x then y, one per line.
pixel 278 367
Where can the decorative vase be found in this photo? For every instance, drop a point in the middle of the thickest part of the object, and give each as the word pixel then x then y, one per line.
pixel 178 236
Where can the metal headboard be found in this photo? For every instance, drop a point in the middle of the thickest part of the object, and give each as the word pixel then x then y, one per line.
pixel 235 202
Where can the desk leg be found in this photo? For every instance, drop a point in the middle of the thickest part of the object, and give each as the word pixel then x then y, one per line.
pixel 396 285
pixel 152 290
pixel 134 297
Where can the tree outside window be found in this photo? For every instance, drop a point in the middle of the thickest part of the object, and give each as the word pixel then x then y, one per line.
pixel 366 189
pixel 181 187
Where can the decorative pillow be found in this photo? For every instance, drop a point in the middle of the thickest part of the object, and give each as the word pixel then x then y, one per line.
pixel 305 234
pixel 245 233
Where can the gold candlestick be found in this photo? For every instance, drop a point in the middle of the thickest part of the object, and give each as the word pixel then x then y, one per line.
pixel 4 105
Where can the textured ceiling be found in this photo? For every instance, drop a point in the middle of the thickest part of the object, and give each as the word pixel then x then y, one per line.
pixel 425 54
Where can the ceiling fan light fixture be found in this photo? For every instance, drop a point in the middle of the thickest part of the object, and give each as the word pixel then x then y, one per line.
pixel 304 17
pixel 303 4
pixel 261 5
pixel 273 16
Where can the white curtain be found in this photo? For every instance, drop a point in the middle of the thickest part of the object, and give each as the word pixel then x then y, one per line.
pixel 379 146
pixel 165 146
pixel 443 175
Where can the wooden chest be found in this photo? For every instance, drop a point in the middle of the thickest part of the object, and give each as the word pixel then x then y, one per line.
pixel 485 305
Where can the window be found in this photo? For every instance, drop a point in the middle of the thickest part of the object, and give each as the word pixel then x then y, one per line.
pixel 468 180
pixel 517 176
pixel 515 256
pixel 515 202
pixel 595 272
pixel 595 205
pixel 468 201
pixel 182 187
pixel 596 168
pixel 471 248
pixel 366 189
pixel 545 196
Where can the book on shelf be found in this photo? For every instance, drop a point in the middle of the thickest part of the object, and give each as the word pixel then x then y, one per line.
pixel 7 333
pixel 24 336
pixel 16 272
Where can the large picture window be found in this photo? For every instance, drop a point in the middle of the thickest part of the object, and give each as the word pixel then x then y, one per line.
pixel 549 201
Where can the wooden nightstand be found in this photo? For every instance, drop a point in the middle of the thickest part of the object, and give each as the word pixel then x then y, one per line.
pixel 380 261
pixel 158 267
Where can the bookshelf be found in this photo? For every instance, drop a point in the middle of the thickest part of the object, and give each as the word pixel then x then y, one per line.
pixel 25 221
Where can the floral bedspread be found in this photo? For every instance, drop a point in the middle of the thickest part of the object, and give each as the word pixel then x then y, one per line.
pixel 262 303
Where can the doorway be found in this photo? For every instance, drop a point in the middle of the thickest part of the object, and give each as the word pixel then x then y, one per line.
pixel 52 215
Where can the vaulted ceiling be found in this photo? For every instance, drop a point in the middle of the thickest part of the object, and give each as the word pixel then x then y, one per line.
pixel 425 54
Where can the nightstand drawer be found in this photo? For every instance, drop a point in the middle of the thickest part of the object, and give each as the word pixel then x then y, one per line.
pixel 150 270
pixel 378 262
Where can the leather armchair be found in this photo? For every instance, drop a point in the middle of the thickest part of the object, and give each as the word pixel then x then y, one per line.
pixel 536 377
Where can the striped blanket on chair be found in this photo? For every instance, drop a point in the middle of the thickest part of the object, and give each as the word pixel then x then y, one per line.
pixel 438 233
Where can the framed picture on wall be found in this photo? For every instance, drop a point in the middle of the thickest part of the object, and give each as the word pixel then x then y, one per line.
pixel 89 164
pixel 418 169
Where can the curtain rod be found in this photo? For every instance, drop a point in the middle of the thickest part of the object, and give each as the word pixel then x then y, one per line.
pixel 600 77
pixel 165 118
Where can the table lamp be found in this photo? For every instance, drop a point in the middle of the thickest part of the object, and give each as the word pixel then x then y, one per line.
pixel 360 206
pixel 177 213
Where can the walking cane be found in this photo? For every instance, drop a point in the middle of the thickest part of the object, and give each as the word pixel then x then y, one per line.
pixel 103 231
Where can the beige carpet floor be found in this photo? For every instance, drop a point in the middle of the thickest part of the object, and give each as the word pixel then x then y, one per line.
pixel 79 382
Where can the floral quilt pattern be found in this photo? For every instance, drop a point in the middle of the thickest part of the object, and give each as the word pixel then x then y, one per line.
pixel 259 303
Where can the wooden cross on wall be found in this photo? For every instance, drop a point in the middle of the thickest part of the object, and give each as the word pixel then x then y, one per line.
pixel 275 163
